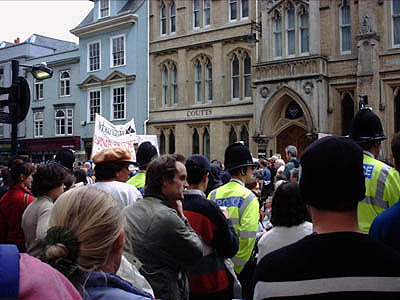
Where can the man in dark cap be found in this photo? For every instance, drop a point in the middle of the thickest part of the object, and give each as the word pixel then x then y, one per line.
pixel 382 182
pixel 144 155
pixel 243 208
pixel 209 279
pixel 337 260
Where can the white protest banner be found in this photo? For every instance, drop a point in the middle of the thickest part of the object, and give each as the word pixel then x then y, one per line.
pixel 107 135
pixel 148 138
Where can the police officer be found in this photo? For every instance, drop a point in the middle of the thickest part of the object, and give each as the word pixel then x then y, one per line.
pixel 243 209
pixel 144 155
pixel 381 181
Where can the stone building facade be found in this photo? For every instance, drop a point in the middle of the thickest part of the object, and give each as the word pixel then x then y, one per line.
pixel 201 96
pixel 319 58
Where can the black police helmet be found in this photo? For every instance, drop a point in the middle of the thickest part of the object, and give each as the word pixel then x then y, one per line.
pixel 145 153
pixel 237 155
pixel 366 126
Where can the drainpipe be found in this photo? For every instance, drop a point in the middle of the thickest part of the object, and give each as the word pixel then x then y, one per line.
pixel 148 71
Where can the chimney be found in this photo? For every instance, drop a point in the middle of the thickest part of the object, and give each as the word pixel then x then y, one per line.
pixel 16 41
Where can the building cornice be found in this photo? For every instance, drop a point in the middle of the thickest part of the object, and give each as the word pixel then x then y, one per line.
pixel 106 25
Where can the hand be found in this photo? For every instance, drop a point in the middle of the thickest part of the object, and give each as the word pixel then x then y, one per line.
pixel 177 205
pixel 225 211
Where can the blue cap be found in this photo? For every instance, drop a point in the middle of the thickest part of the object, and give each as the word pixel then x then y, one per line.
pixel 200 161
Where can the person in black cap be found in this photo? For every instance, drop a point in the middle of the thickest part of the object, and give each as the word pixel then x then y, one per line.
pixel 337 261
pixel 144 155
pixel 382 182
pixel 209 279
pixel 242 205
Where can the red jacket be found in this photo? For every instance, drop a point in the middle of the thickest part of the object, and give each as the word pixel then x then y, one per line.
pixel 12 206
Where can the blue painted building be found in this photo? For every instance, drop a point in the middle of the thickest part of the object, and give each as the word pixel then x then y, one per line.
pixel 34 46
pixel 113 41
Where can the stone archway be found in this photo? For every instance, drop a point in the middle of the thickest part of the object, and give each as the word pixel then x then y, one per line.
pixel 293 135
pixel 285 120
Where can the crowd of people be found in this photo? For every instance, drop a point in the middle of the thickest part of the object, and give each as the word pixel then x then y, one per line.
pixel 168 227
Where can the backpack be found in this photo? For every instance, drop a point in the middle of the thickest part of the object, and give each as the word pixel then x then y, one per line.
pixel 9 272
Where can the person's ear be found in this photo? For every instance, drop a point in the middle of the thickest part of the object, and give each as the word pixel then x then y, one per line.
pixel 119 242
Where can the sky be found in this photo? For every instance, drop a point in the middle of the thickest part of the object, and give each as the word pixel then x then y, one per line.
pixel 52 18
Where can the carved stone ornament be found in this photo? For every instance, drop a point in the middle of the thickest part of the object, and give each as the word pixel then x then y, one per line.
pixel 264 92
pixel 308 87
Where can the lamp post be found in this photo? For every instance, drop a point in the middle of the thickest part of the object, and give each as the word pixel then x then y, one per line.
pixel 19 98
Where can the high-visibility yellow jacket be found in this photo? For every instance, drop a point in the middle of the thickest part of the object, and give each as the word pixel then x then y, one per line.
pixel 138 180
pixel 382 190
pixel 243 209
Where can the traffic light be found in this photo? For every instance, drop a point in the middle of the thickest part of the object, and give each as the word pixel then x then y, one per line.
pixel 18 101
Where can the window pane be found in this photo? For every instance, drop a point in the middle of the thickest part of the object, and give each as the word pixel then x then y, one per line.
pixel 206 143
pixel 345 14
pixel 198 75
pixel 165 86
pixel 209 90
pixel 195 142
pixel 196 13
pixel 304 33
pixel 94 105
pixel 247 76
pixel 244 136
pixel 104 9
pixel 175 86
pixel 118 51
pixel 94 57
pixel 119 103
pixel 163 17
pixel 233 9
pixel 172 18
pixel 346 39
pixel 232 136
pixel 207 12
pixel 396 7
pixel 396 30
pixel 278 36
pixel 291 31
pixel 162 143
pixel 245 8
pixel 171 142
pixel 235 77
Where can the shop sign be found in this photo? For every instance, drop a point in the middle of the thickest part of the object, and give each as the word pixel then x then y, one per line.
pixel 199 112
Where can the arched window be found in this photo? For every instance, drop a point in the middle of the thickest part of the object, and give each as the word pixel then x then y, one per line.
pixel 206 143
pixel 397 113
pixel 162 143
pixel 165 86
pixel 293 111
pixel 347 113
pixel 171 142
pixel 232 136
pixel 235 77
pixel 209 88
pixel 278 35
pixel 304 32
pixel 197 80
pixel 195 142
pixel 163 19
pixel 244 136
pixel 247 76
pixel 175 86
pixel 65 83
pixel 290 31
pixel 172 17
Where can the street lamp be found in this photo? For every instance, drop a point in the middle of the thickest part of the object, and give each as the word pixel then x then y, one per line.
pixel 19 98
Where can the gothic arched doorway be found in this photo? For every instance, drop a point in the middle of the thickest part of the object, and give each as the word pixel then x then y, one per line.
pixel 293 135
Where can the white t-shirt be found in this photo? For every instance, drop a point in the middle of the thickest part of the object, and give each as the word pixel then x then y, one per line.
pixel 125 193
pixel 281 236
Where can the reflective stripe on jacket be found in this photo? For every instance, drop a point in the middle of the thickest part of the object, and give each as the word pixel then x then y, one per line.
pixel 243 209
pixel 382 190
pixel 138 180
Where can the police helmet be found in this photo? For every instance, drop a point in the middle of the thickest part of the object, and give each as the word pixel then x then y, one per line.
pixel 237 155
pixel 366 126
pixel 145 153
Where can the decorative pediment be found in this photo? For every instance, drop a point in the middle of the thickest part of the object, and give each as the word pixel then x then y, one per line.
pixel 113 78
pixel 118 77
pixel 90 82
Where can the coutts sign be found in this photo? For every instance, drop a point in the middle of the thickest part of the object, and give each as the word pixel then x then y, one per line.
pixel 199 112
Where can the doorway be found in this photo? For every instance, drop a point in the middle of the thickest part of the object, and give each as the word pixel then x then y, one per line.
pixel 293 135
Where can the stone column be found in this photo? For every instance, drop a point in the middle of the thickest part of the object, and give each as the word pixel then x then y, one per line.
pixel 182 78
